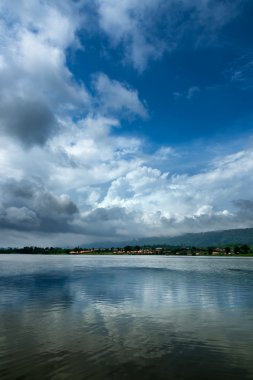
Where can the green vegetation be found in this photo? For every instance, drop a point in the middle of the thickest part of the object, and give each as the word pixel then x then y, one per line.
pixel 201 239
pixel 35 250
pixel 228 250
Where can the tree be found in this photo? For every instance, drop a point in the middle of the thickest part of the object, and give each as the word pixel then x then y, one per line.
pixel 193 250
pixel 245 249
pixel 236 249
pixel 227 250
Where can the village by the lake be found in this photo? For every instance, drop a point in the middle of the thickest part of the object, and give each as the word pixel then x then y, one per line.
pixel 228 250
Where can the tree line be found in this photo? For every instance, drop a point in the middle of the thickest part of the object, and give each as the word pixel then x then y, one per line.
pixel 242 249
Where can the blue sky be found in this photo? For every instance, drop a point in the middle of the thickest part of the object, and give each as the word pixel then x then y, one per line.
pixel 192 91
pixel 124 119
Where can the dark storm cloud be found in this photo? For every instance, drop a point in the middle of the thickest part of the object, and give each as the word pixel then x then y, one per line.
pixel 29 121
pixel 105 215
pixel 27 204
pixel 110 222
pixel 20 218
pixel 245 209
pixel 36 86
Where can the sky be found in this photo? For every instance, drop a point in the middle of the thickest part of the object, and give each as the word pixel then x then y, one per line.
pixel 124 119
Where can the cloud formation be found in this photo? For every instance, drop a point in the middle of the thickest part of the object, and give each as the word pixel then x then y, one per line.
pixel 35 83
pixel 28 205
pixel 67 175
pixel 147 30
pixel 114 97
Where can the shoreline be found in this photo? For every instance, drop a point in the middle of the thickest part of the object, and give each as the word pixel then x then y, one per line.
pixel 126 254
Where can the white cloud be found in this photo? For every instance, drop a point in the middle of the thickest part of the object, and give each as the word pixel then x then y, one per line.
pixel 137 25
pixel 66 176
pixel 116 97
pixel 87 153
pixel 35 83
pixel 124 22
pixel 203 201
pixel 112 193
pixel 37 89
pixel 55 22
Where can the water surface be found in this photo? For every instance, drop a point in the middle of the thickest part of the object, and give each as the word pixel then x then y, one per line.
pixel 108 317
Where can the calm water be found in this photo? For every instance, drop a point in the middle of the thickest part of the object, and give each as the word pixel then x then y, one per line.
pixel 125 318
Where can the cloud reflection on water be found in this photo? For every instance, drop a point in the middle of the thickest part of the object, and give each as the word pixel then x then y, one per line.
pixel 120 319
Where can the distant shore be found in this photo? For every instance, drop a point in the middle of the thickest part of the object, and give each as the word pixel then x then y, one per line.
pixel 242 250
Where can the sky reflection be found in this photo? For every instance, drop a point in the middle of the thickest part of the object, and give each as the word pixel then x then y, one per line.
pixel 128 318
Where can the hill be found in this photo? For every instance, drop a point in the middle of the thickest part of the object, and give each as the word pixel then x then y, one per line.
pixel 202 239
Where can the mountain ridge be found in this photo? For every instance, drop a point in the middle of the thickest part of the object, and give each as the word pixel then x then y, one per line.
pixel 200 239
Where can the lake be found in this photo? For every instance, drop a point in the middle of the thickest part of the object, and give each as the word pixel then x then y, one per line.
pixel 126 317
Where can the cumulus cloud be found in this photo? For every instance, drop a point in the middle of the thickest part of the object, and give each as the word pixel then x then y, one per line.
pixel 113 222
pixel 27 204
pixel 35 83
pixel 28 120
pixel 88 153
pixel 37 89
pixel 14 217
pixel 66 176
pixel 90 184
pixel 245 209
pixel 174 204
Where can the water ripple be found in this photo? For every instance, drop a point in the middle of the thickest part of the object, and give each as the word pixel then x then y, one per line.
pixel 125 317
